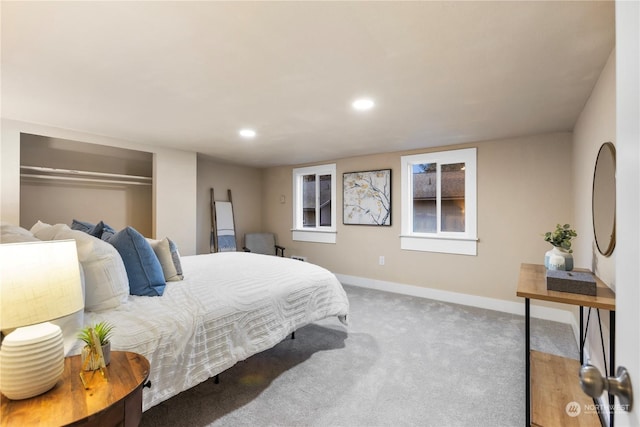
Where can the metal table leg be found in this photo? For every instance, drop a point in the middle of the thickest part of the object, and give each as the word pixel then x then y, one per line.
pixel 527 358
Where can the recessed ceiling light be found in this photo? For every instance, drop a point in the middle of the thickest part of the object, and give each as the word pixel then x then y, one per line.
pixel 363 104
pixel 247 133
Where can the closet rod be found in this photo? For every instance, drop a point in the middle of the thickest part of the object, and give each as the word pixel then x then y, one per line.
pixel 85 173
pixel 72 178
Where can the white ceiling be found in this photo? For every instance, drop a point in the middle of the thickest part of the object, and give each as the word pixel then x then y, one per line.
pixel 191 74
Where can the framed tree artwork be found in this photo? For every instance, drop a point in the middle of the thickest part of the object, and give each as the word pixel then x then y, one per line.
pixel 367 197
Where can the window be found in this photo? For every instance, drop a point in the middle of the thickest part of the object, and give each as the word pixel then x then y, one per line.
pixel 439 202
pixel 314 208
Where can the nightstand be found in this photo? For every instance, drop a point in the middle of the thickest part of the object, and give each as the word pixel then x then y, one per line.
pixel 117 401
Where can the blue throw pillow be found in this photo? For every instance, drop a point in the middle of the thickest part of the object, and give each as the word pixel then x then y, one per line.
pixel 96 230
pixel 100 230
pixel 143 268
pixel 108 233
pixel 103 231
pixel 82 225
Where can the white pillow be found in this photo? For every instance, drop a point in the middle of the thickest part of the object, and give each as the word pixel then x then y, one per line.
pixel 16 238
pixel 44 231
pixel 38 226
pixel 105 278
pixel 70 326
pixel 162 249
pixel 15 234
pixel 14 229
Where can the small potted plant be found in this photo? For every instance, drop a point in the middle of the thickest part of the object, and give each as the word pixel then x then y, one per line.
pixel 560 258
pixel 102 332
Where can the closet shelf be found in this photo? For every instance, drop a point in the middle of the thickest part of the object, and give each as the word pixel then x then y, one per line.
pixel 83 176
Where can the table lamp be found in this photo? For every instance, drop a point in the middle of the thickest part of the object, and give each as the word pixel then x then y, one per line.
pixel 39 282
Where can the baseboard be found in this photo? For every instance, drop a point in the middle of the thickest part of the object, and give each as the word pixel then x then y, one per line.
pixel 539 312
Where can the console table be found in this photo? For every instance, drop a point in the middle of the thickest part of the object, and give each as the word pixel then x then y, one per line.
pixel 114 401
pixel 552 382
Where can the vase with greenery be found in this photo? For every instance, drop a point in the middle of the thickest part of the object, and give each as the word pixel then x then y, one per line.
pixel 102 332
pixel 560 258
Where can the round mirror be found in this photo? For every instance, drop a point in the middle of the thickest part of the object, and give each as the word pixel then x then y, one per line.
pixel 604 199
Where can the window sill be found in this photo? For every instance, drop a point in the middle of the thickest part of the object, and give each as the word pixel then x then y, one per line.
pixel 315 236
pixel 440 244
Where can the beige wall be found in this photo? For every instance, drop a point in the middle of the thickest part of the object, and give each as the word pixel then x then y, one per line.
pixel 9 173
pixel 174 197
pixel 524 189
pixel 245 184
pixel 117 206
pixel 596 125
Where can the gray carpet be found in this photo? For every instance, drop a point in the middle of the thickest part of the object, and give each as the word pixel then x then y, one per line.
pixel 402 361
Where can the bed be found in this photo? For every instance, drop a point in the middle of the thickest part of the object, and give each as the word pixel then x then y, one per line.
pixel 227 307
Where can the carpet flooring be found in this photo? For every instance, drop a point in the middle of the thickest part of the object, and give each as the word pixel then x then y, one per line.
pixel 402 361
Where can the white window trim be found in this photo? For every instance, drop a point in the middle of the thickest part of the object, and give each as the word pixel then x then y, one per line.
pixel 463 243
pixel 313 234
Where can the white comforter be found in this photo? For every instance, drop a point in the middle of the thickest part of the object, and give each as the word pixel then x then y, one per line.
pixel 228 307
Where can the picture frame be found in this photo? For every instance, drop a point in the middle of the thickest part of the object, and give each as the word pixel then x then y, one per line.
pixel 366 197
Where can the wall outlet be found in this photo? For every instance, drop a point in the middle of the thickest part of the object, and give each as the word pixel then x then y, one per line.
pixel 381 260
pixel 299 258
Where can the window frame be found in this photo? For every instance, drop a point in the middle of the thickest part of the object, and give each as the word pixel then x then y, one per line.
pixel 463 243
pixel 318 234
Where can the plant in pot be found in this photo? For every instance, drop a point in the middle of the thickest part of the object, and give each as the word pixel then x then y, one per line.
pixel 559 257
pixel 102 333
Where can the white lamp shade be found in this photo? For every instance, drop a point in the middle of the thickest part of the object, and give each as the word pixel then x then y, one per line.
pixel 39 281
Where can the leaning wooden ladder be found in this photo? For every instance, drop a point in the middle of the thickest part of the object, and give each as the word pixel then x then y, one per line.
pixel 223 229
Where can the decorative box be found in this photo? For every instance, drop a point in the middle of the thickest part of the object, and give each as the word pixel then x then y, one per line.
pixel 576 282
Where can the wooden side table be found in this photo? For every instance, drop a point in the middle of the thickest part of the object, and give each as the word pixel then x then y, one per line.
pixel 116 400
pixel 552 382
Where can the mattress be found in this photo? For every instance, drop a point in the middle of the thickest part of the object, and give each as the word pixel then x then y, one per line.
pixel 228 307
